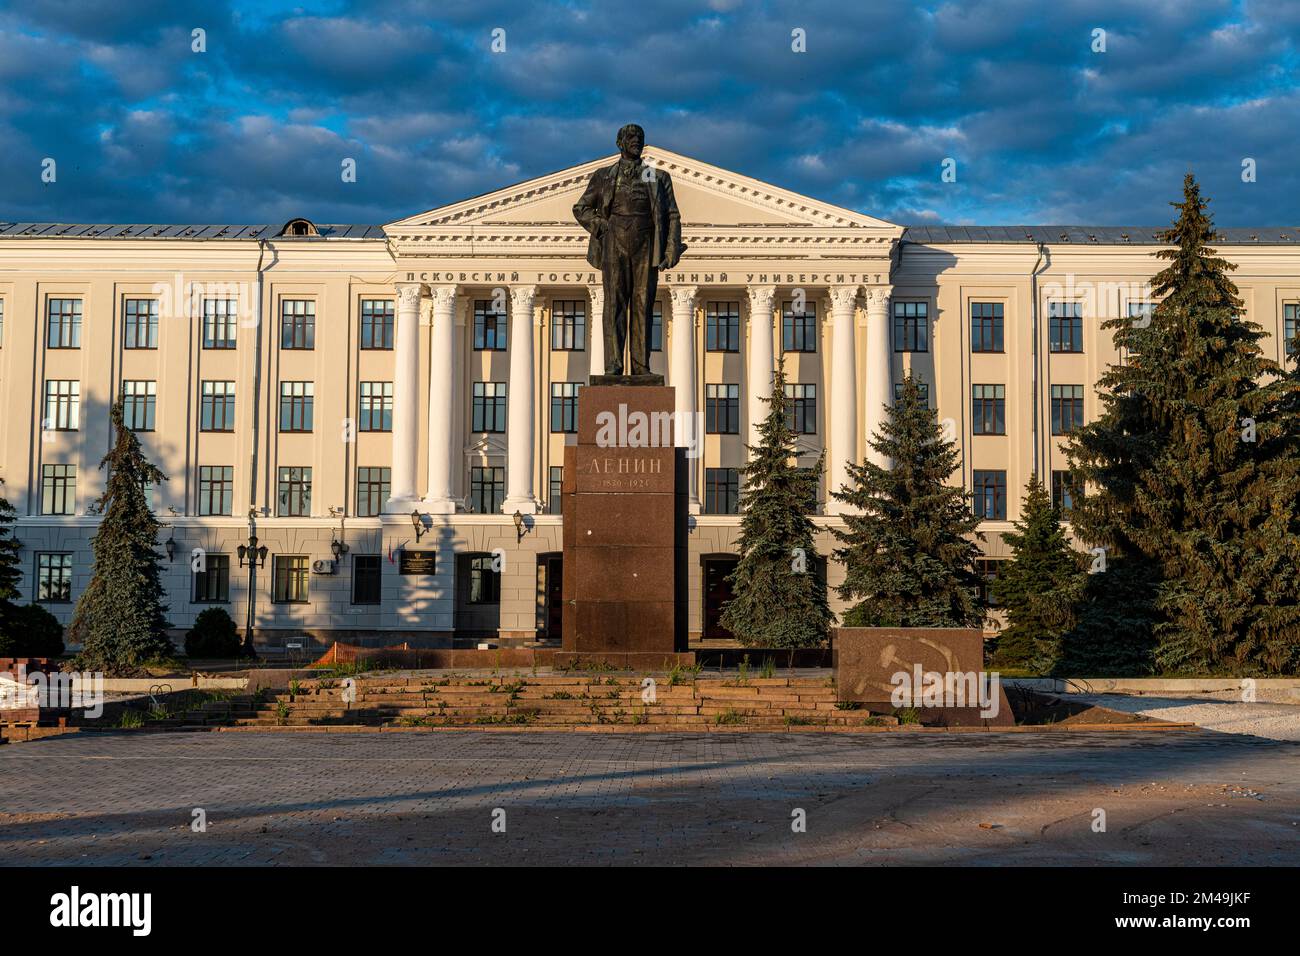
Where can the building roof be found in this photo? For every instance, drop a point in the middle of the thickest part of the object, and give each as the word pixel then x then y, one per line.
pixel 939 235
pixel 83 230
pixel 1090 235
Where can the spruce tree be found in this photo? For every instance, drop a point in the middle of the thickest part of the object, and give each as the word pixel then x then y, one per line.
pixel 1196 474
pixel 780 598
pixel 10 575
pixel 10 564
pixel 1113 636
pixel 1040 587
pixel 909 545
pixel 121 616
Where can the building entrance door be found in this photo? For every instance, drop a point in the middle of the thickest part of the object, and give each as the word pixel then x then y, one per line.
pixel 717 592
pixel 552 595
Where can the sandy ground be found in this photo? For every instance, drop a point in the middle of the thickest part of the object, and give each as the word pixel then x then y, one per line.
pixel 1225 712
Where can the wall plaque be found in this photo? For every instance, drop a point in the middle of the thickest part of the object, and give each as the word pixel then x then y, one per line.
pixel 418 562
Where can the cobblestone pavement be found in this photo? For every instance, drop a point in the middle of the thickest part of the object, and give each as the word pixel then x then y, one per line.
pixel 279 798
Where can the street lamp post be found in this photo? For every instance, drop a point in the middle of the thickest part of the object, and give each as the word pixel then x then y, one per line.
pixel 254 555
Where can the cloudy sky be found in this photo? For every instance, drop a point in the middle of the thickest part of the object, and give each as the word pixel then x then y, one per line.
pixel 1042 128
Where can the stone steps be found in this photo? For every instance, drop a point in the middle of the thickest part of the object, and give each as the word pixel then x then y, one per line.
pixel 551 701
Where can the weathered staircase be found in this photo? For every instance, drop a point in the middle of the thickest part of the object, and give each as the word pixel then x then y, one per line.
pixel 561 701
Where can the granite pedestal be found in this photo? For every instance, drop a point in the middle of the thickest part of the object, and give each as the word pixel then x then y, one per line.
pixel 625 526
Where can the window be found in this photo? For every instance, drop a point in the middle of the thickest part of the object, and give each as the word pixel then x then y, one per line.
pixel 373 488
pixel 376 407
pixel 489 411
pixel 216 489
pixel 722 327
pixel 290 585
pixel 367 578
pixel 564 406
pixel 569 326
pixel 986 327
pixel 484 581
pixel 139 403
pixel 656 329
pixel 1141 310
pixel 64 324
pixel 1290 318
pixel 296 401
pixel 212 584
pixel 555 501
pixel 722 409
pixel 489 327
pixel 1065 326
pixel 150 495
pixel 297 324
pixel 989 409
pixel 911 327
pixel 1064 492
pixel 987 569
pixel 799 329
pixel 487 489
pixel 217 407
pixel 801 408
pixel 58 489
pixel 1139 314
pixel 140 324
pixel 54 577
pixel 62 405
pixel 721 491
pixel 1067 408
pixel 991 495
pixel 923 387
pixel 294 493
pixel 376 323
pixel 220 316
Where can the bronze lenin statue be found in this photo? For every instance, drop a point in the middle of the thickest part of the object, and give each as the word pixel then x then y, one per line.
pixel 631 213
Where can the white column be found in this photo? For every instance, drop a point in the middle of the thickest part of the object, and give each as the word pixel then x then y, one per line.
pixel 879 385
pixel 519 394
pixel 596 333
pixel 406 399
pixel 760 355
pixel 442 376
pixel 682 374
pixel 844 391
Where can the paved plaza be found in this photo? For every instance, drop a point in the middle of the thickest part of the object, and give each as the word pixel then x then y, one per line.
pixel 661 799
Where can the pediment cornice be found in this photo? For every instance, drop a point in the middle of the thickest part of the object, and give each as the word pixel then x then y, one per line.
pixel 782 223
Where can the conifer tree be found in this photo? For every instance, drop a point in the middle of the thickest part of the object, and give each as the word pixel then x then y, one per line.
pixel 1115 620
pixel 909 545
pixel 780 598
pixel 121 616
pixel 1040 587
pixel 1195 471
pixel 10 573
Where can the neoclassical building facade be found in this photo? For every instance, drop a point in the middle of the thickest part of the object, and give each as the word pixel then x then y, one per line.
pixel 384 409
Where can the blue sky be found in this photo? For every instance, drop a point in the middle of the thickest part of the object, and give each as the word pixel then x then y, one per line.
pixel 1043 129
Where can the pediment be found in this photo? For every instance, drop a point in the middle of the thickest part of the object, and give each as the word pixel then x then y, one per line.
pixel 708 197
pixel 488 445
pixel 806 446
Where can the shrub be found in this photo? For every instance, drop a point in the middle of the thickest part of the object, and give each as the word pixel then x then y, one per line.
pixel 213 635
pixel 29 630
